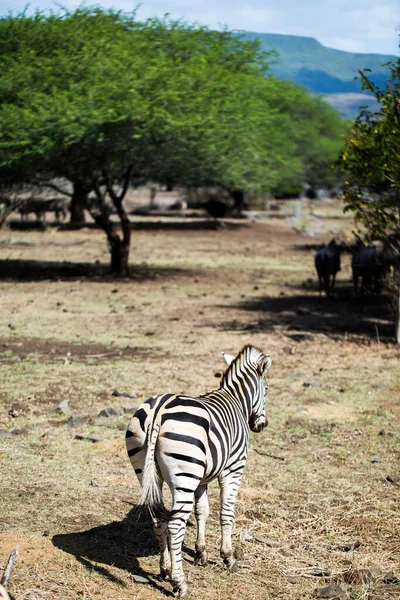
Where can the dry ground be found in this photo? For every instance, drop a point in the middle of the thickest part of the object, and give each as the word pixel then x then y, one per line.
pixel 321 487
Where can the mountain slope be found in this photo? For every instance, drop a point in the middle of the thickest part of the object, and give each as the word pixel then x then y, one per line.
pixel 322 70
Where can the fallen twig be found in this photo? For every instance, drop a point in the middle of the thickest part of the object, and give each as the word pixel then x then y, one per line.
pixel 9 567
pixel 270 455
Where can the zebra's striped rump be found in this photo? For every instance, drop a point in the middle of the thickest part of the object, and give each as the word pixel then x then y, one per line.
pixel 187 442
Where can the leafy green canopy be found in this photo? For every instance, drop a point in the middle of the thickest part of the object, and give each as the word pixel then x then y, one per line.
pixel 371 160
pixel 93 91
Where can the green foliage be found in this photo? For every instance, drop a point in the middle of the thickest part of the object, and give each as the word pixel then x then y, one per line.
pixel 371 160
pixel 85 95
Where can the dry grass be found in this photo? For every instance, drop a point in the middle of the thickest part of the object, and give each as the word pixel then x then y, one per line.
pixel 333 409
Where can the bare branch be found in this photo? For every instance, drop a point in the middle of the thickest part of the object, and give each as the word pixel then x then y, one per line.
pixel 117 198
pixel 9 567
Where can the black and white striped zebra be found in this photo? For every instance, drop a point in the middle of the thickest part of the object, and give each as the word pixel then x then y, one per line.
pixel 187 442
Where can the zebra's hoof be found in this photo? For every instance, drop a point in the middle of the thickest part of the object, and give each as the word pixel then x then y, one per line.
pixel 180 593
pixel 231 565
pixel 201 560
pixel 165 574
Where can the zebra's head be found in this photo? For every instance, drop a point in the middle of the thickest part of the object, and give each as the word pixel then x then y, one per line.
pixel 251 366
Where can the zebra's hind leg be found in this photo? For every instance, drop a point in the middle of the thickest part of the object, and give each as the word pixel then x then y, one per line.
pixel 201 511
pixel 229 483
pixel 176 529
pixel 161 531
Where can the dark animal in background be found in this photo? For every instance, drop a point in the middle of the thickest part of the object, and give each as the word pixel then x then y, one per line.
pixel 365 264
pixel 39 207
pixel 216 208
pixel 327 264
pixel 372 263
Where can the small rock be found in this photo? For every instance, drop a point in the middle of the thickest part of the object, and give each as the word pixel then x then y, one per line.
pixel 12 326
pixel 21 431
pixel 103 422
pixel 292 580
pixel 347 547
pixel 114 291
pixel 94 483
pixel 238 553
pixel 246 537
pixel 376 459
pixel 61 408
pixel 90 438
pixel 331 591
pixel 13 413
pixel 393 478
pixel 110 411
pixel 77 421
pixel 139 579
pixel 317 572
pixel 46 533
pixel 383 432
pixel 358 576
pixel 217 374
pixel 296 376
pixel 266 541
pixel 390 578
pixel 117 393
pixel 130 410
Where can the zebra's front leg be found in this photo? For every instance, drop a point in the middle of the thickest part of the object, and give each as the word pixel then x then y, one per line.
pixel 201 511
pixel 161 531
pixel 229 483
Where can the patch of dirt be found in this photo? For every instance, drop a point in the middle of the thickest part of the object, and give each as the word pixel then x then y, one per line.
pixel 53 351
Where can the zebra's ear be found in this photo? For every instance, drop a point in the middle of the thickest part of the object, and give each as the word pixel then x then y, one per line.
pixel 264 364
pixel 228 358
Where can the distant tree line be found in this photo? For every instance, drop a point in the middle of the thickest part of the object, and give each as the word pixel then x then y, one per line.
pixel 102 100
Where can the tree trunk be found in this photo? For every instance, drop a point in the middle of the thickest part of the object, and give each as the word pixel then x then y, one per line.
pixel 78 203
pixel 397 318
pixel 119 255
pixel 238 199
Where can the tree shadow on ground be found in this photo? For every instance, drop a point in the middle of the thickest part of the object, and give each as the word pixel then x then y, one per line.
pixel 153 222
pixel 36 270
pixel 117 544
pixel 302 315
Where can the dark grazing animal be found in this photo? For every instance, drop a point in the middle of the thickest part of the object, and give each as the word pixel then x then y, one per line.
pixel 366 264
pixel 327 264
pixel 187 442
pixel 372 263
pixel 216 208
pixel 39 207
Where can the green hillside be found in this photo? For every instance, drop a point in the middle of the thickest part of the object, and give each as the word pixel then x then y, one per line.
pixel 323 70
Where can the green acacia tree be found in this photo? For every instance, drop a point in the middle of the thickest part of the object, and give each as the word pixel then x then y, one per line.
pixel 371 162
pixel 96 98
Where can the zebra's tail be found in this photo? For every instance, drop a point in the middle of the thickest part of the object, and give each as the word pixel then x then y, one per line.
pixel 151 496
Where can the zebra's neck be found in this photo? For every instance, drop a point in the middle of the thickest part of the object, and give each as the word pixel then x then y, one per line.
pixel 240 379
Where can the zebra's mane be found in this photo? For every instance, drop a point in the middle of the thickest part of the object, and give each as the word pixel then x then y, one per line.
pixel 252 356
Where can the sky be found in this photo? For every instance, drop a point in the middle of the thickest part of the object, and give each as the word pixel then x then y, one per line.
pixel 368 26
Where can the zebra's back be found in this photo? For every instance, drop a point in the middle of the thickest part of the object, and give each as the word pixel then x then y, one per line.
pixel 197 437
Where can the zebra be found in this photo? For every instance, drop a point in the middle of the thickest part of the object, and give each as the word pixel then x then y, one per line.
pixel 188 442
